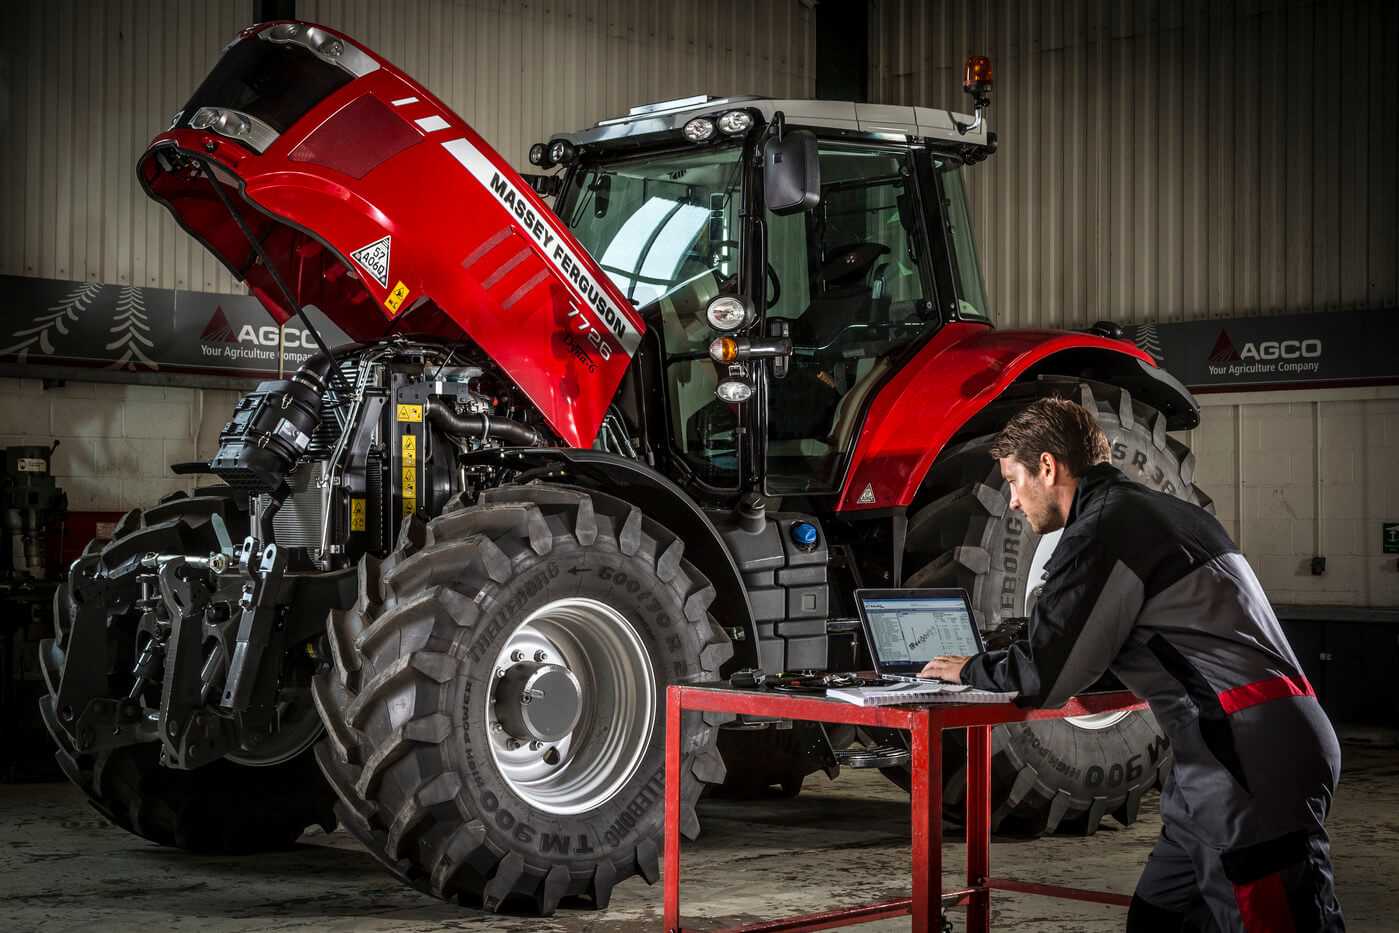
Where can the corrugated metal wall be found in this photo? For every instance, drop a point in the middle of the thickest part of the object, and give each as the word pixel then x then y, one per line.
pixel 1165 161
pixel 517 70
pixel 85 85
pixel 83 88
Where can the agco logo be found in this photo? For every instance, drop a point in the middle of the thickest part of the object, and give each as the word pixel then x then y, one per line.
pixel 219 330
pixel 1264 350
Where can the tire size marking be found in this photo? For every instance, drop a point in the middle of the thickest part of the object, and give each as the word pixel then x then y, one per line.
pixel 1153 476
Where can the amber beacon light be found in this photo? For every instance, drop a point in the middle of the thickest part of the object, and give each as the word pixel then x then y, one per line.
pixel 976 81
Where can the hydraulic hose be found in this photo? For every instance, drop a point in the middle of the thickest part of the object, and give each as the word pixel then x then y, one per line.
pixel 483 426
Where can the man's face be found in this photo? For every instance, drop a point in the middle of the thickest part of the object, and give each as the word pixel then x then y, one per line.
pixel 1032 492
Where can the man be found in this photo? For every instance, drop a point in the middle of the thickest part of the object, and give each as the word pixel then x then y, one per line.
pixel 1150 587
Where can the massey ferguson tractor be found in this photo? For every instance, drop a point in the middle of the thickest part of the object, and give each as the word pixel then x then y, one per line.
pixel 437 579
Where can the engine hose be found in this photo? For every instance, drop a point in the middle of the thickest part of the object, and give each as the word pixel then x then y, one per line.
pixel 315 372
pixel 509 432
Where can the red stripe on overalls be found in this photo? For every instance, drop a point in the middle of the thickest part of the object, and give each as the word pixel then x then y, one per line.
pixel 1261 691
pixel 1263 906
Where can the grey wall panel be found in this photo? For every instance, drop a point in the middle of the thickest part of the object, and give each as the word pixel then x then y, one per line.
pixel 1166 161
pixel 517 71
pixel 83 88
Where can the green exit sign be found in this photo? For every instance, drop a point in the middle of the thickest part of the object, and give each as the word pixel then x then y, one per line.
pixel 1391 537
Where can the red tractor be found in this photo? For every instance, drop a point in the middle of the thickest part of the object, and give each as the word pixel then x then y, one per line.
pixel 655 433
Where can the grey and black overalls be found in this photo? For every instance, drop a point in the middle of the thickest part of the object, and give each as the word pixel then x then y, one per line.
pixel 1150 587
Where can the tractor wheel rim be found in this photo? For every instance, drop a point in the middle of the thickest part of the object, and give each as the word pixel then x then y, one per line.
pixel 611 682
pixel 1044 549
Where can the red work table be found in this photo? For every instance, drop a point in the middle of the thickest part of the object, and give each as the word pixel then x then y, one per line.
pixel 924 723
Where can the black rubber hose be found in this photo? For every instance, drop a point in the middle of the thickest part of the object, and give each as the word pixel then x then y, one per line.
pixel 320 364
pixel 509 432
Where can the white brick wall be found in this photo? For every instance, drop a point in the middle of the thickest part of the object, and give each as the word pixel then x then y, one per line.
pixel 1257 458
pixel 116 441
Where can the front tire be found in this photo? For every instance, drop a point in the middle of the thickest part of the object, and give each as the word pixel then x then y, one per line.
pixel 223 807
pixel 1063 775
pixel 428 746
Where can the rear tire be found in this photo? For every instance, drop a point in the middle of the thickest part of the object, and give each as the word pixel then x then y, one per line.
pixel 424 780
pixel 1052 775
pixel 222 807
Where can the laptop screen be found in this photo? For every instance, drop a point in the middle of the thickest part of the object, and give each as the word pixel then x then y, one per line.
pixel 908 631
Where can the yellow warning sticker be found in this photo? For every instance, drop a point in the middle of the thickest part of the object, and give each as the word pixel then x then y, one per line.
pixel 410 413
pixel 409 474
pixel 357 520
pixel 395 299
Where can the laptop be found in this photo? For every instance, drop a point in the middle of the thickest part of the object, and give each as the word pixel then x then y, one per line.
pixel 907 628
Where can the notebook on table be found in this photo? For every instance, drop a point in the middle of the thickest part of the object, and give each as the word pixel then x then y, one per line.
pixel 907 628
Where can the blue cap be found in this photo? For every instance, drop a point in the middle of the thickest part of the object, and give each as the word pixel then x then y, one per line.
pixel 804 534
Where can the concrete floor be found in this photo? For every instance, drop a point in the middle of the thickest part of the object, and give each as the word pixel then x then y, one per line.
pixel 62 867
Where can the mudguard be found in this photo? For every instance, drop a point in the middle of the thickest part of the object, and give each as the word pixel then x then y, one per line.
pixel 381 207
pixel 960 371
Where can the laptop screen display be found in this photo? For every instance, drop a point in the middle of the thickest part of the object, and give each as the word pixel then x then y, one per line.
pixel 909 631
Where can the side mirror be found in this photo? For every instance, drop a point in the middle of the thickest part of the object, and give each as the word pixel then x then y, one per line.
pixel 791 172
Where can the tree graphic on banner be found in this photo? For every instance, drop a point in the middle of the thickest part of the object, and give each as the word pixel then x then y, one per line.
pixel 56 318
pixel 131 328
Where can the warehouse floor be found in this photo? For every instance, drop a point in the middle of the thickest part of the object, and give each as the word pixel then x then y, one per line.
pixel 63 868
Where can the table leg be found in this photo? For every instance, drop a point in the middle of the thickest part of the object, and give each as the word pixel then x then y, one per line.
pixel 927 822
pixel 671 883
pixel 979 827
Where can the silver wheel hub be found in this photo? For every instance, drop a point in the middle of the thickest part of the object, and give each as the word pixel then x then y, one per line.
pixel 573 705
pixel 1044 550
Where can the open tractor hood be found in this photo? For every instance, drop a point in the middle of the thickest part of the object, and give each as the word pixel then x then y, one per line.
pixel 375 203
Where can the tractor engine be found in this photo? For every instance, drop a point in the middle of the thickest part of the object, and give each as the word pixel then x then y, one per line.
pixel 332 458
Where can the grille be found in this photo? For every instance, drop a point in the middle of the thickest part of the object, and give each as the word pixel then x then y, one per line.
pixel 298 522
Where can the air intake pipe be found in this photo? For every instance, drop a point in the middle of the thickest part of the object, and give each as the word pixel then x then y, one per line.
pixel 485 427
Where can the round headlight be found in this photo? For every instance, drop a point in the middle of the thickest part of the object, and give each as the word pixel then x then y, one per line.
pixel 726 313
pixel 734 390
pixel 699 129
pixel 735 121
pixel 560 151
pixel 538 154
pixel 203 118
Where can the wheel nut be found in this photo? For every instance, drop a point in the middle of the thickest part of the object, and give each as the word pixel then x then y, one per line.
pixel 517 655
pixel 512 744
pixel 535 746
pixel 541 655
pixel 497 727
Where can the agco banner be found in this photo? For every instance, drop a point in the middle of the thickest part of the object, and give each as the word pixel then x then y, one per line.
pixel 1285 351
pixel 127 329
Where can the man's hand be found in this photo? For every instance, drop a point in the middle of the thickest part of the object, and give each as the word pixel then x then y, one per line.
pixel 945 668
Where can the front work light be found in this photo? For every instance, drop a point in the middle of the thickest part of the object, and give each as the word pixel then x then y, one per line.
pixel 735 122
pixel 734 390
pixel 727 313
pixel 699 129
pixel 539 155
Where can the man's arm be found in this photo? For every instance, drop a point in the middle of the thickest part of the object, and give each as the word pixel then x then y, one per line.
pixel 1079 624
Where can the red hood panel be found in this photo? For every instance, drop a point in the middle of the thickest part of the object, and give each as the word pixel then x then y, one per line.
pixel 384 209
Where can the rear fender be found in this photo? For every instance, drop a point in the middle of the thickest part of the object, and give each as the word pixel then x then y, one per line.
pixel 963 369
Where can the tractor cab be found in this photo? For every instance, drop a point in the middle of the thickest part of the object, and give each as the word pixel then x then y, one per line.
pixel 789 254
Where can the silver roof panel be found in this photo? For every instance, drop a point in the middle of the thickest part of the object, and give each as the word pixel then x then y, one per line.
pixel 894 121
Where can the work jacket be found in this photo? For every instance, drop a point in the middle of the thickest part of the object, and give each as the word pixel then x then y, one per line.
pixel 1151 587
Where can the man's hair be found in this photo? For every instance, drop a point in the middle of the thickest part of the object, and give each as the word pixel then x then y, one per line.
pixel 1056 426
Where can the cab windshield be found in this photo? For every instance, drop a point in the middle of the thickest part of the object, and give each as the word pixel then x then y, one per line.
pixel 666 230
